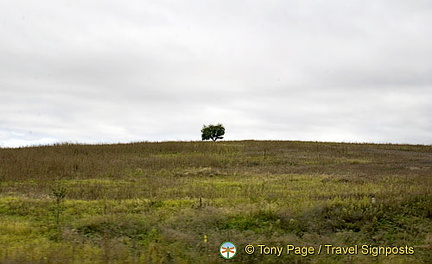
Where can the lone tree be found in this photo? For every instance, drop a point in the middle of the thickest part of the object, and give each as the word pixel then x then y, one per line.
pixel 212 132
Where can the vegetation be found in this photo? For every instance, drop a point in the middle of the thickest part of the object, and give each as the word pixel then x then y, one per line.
pixel 213 132
pixel 176 202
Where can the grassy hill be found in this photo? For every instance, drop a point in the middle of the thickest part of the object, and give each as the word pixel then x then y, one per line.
pixel 176 202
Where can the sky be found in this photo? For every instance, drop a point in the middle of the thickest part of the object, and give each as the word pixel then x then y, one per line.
pixel 110 71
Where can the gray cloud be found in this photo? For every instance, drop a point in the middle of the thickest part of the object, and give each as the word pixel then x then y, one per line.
pixel 111 71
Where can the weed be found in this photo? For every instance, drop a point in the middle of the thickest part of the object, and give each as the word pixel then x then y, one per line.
pixel 154 202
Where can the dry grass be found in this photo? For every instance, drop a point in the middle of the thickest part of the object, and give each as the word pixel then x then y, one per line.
pixel 154 202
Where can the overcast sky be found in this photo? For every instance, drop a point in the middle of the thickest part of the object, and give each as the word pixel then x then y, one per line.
pixel 108 71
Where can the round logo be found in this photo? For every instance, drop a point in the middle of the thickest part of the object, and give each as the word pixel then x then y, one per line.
pixel 227 250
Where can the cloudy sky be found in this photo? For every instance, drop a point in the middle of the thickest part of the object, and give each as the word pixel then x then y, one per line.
pixel 108 71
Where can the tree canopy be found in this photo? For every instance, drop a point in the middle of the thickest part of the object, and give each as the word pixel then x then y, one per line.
pixel 213 132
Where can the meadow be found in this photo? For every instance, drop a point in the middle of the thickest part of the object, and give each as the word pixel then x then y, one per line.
pixel 176 202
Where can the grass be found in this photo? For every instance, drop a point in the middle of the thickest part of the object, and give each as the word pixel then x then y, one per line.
pixel 155 202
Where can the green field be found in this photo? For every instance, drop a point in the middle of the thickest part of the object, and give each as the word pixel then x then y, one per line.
pixel 156 202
